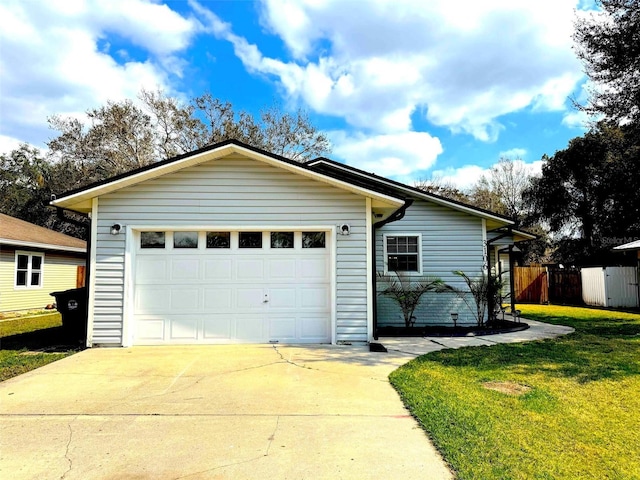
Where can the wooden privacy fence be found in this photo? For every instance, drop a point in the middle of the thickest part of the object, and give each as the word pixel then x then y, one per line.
pixel 531 284
pixel 565 286
pixel 80 276
pixel 542 285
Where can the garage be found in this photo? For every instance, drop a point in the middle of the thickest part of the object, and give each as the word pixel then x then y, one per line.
pixel 231 286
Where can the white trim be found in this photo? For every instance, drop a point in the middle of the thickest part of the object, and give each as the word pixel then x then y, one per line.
pixel 411 191
pixel 370 268
pixel 44 246
pixel 333 261
pixel 385 260
pixel 202 157
pixel 130 243
pixel 91 306
pixel 29 256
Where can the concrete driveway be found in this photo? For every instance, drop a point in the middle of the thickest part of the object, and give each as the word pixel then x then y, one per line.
pixel 262 411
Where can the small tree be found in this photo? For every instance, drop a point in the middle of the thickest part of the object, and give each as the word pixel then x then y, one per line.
pixel 484 290
pixel 407 291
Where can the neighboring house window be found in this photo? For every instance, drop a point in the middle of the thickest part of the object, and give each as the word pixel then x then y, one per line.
pixel 29 269
pixel 403 253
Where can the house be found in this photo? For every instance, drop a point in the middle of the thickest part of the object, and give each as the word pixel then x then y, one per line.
pixel 35 261
pixel 629 247
pixel 231 244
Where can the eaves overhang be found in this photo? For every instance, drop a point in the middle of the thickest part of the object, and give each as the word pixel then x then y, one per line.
pixel 80 199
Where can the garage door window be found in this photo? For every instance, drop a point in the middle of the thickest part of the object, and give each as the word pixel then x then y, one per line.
pixel 281 239
pixel 185 239
pixel 218 240
pixel 250 240
pixel 313 240
pixel 152 240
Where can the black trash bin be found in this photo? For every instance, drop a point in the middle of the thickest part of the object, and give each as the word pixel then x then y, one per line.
pixel 72 305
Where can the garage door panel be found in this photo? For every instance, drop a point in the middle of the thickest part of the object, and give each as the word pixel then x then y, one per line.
pixel 314 328
pixel 282 328
pixel 282 269
pixel 282 298
pixel 249 299
pixel 313 268
pixel 232 295
pixel 151 270
pixel 152 299
pixel 218 269
pixel 217 327
pixel 217 299
pixel 184 269
pixel 185 299
pixel 250 328
pixel 311 297
pixel 150 329
pixel 249 269
pixel 183 327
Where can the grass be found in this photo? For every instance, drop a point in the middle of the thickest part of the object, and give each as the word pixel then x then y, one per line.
pixel 566 408
pixel 29 342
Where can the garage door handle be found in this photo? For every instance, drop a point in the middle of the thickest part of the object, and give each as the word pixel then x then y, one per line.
pixel 266 299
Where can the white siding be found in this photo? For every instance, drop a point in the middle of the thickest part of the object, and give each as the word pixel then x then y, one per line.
pixel 451 240
pixel 233 191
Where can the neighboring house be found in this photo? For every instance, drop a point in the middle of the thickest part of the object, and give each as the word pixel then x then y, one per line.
pixel 231 244
pixel 35 261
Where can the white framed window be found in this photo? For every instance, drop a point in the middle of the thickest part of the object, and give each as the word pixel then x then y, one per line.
pixel 29 266
pixel 403 253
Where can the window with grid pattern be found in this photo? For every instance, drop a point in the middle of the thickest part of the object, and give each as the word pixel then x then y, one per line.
pixel 402 253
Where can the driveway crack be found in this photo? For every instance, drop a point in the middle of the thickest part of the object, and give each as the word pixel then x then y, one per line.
pixel 275 348
pixel 66 452
pixel 272 436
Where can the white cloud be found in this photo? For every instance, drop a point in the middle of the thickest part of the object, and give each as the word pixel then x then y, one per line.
pixel 468 175
pixel 392 155
pixel 463 63
pixel 513 153
pixel 56 59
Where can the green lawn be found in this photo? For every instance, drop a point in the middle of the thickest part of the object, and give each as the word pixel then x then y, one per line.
pixel 29 342
pixel 567 408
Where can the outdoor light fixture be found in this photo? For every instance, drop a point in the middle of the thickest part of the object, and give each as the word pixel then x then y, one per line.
pixel 454 319
pixel 115 229
pixel 344 229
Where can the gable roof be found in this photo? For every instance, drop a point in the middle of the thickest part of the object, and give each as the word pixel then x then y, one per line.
pixel 326 165
pixel 19 233
pixel 80 199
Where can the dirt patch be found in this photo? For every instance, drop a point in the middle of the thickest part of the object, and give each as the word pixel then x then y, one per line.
pixel 508 388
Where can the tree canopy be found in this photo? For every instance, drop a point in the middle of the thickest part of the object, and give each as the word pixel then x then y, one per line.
pixel 608 44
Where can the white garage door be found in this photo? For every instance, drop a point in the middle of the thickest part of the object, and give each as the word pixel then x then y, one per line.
pixel 232 287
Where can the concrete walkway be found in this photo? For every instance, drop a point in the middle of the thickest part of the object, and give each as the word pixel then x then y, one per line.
pixel 250 411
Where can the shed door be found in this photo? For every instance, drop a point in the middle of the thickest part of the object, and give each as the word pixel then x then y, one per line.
pixel 232 287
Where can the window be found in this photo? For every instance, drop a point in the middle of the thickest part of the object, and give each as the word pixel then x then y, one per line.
pixel 29 270
pixel 152 240
pixel 281 239
pixel 218 240
pixel 402 253
pixel 185 239
pixel 250 240
pixel 313 240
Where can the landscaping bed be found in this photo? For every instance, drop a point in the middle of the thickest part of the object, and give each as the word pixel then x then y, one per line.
pixel 498 326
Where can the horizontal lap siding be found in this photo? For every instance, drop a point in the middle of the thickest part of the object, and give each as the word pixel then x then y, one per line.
pixel 59 272
pixel 451 240
pixel 229 192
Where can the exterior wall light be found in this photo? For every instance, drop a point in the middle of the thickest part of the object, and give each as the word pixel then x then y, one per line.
pixel 344 229
pixel 115 229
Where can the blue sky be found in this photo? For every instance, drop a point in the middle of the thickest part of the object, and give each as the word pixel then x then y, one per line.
pixel 407 89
